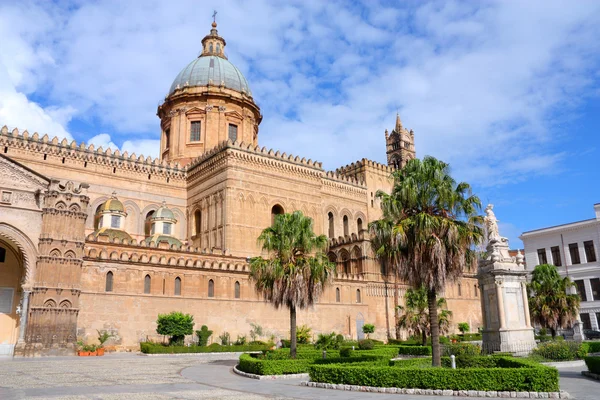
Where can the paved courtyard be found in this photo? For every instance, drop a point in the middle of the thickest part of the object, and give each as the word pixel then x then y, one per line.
pixel 131 376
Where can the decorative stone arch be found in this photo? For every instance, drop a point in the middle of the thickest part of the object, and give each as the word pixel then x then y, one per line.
pixel 143 214
pixel 357 260
pixel 132 219
pixel 276 208
pixel 360 215
pixel 91 211
pixel 181 223
pixel 332 257
pixel 27 249
pixel 65 304
pixel 345 265
pixel 329 221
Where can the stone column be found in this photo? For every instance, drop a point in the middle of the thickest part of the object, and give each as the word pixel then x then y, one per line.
pixel 484 311
pixel 24 315
pixel 500 303
pixel 526 304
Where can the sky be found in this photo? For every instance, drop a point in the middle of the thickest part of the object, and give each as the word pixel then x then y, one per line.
pixel 507 92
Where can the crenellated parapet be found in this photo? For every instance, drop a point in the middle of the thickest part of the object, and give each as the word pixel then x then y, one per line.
pixel 88 154
pixel 259 157
pixel 359 166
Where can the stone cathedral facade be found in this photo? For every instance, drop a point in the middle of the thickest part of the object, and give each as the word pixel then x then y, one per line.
pixel 95 239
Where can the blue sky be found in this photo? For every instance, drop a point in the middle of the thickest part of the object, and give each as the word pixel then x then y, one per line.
pixel 507 92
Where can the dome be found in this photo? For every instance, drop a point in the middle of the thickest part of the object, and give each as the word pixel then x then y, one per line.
pixel 158 238
pixel 163 213
pixel 112 205
pixel 211 70
pixel 112 234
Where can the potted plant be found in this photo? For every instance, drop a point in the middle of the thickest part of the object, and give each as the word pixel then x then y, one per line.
pixel 102 338
pixel 82 349
pixel 93 350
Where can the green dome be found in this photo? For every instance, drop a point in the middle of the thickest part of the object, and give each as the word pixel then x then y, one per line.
pixel 112 205
pixel 163 213
pixel 157 238
pixel 211 70
pixel 112 234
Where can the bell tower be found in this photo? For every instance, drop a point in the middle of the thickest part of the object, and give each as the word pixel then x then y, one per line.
pixel 400 145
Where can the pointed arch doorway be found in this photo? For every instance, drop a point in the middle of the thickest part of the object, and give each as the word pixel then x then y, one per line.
pixel 360 322
pixel 12 273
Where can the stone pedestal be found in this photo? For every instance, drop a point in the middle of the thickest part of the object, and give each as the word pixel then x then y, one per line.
pixel 504 301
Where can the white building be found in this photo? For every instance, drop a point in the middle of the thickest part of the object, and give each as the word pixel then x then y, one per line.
pixel 573 248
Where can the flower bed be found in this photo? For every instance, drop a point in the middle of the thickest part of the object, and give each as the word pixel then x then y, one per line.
pixel 158 348
pixel 509 374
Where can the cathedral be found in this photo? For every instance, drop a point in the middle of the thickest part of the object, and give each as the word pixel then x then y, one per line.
pixel 94 239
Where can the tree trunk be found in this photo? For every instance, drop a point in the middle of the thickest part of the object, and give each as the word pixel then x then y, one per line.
pixel 396 316
pixel 424 338
pixel 553 333
pixel 293 339
pixel 434 322
pixel 387 311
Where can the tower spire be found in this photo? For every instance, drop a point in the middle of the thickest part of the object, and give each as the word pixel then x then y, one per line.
pixel 398 123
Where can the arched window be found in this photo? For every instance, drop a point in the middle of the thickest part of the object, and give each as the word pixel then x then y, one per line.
pixel 475 290
pixel 211 288
pixel 109 282
pixel 198 222
pixel 218 48
pixel 237 290
pixel 357 261
pixel 178 286
pixel 346 233
pixel 147 284
pixel 276 210
pixel 331 230
pixel 459 290
pixel 210 48
pixel 359 226
pixel 98 218
pixel 147 223
pixel 337 295
pixel 346 267
pixel 167 138
pixel 358 299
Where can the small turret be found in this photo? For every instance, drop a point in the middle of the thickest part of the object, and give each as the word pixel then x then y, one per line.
pixel 400 145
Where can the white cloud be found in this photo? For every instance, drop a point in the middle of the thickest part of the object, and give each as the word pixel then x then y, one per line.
pixel 482 84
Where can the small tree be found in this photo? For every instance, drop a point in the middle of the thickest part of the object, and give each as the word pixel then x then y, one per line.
pixel 225 338
pixel 327 341
pixel 175 325
pixel 464 327
pixel 256 331
pixel 203 335
pixel 303 334
pixel 368 329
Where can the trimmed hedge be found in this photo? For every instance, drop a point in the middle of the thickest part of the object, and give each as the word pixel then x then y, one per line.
pixel 158 348
pixel 301 354
pixel 593 364
pixel 513 375
pixel 414 350
pixel 273 367
pixel 593 347
pixel 411 363
pixel 561 350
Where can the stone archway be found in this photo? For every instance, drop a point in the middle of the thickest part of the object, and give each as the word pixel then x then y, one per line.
pixel 17 262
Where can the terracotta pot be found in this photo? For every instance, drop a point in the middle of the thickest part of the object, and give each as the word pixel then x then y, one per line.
pixel 93 354
pixel 100 351
pixel 82 353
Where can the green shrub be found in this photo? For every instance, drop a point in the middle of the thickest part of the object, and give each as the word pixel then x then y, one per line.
pixel 414 350
pixel 175 325
pixel 260 343
pixel 593 347
pixel 303 334
pixel 159 348
pixel 467 361
pixel 461 349
pixel 470 337
pixel 327 341
pixel 240 341
pixel 366 344
pixel 464 327
pixel 203 335
pixel 256 331
pixel 561 350
pixel 411 363
pixel 302 353
pixel 512 375
pixel 285 343
pixel 346 352
pixel 224 338
pixel 593 364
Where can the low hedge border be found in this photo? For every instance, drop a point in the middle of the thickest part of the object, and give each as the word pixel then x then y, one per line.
pixel 268 377
pixel 593 347
pixel 431 392
pixel 513 375
pixel 414 350
pixel 157 348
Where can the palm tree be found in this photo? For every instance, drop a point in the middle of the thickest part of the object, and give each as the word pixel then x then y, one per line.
pixel 383 245
pixel 415 314
pixel 297 270
pixel 550 303
pixel 436 226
